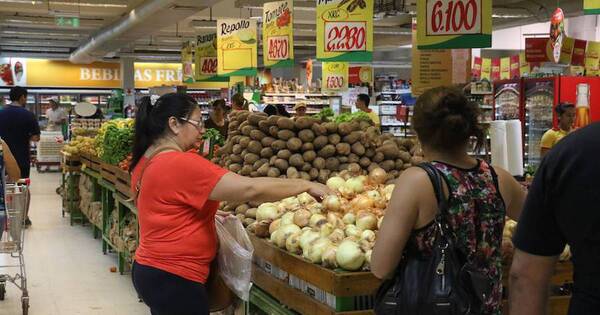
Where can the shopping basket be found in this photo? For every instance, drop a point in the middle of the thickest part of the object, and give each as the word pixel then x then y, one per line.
pixel 12 240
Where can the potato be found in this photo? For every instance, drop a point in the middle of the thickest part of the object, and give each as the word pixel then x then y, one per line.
pixel 272 160
pixel 306 167
pixel 264 126
pixel 390 152
pixel 354 168
pixel 332 164
pixel 395 173
pixel 237 149
pixel 320 142
pixel 406 166
pixel 292 172
pixel 319 163
pixel 353 137
pixel 358 149
pixel 416 160
pixel 364 162
pixel 334 139
pixel 254 147
pixel 353 158
pixel 282 164
pixel 259 163
pixel 306 135
pixel 304 123
pixel 236 158
pixel 254 174
pixel 370 152
pixel 308 146
pixel 266 152
pixel 273 172
pixel 272 120
pixel 355 124
pixel 244 152
pixel 246 130
pixel 296 160
pixel 331 127
pixel 309 156
pixel 323 176
pixel 373 166
pixel 319 129
pixel 343 166
pixel 345 129
pixel 243 124
pixel 305 176
pixel 264 169
pixel 267 141
pixel 244 141
pixel 343 159
pixel 284 154
pixel 285 123
pixel 246 170
pixel 405 156
pixel 388 165
pixel 294 144
pixel 398 164
pixel 364 124
pixel 378 157
pixel 257 135
pixel 285 134
pixel 233 125
pixel 314 173
pixel 278 145
pixel 235 139
pixel 327 151
pixel 256 117
pixel 235 167
pixel 250 158
pixel 241 209
pixel 273 131
pixel 342 148
pixel 251 213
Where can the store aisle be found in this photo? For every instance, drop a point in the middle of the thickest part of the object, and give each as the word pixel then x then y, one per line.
pixel 67 272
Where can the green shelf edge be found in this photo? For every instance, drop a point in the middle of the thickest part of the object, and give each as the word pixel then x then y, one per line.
pixel 266 303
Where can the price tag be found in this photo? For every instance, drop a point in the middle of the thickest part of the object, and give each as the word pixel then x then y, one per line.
pixel 345 36
pixel 335 76
pixel 335 82
pixel 453 17
pixel 278 48
pixel 209 65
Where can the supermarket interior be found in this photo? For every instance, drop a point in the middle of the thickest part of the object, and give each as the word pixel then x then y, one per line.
pixel 287 132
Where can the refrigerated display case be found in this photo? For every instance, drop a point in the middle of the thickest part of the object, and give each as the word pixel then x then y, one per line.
pixel 507 100
pixel 584 93
pixel 540 98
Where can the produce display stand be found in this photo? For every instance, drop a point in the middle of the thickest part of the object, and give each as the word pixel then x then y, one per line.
pixel 96 196
pixel 71 172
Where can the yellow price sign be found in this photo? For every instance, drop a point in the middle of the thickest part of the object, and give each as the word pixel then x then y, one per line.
pixel 335 76
pixel 278 37
pixel 591 7
pixel 236 47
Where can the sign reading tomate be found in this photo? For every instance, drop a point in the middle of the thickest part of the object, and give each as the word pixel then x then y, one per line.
pixel 335 76
pixel 345 30
pixel 278 38
pixel 454 24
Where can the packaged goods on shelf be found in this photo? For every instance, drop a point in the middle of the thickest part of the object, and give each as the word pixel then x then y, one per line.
pixel 129 234
pixel 49 147
pixel 113 231
pixel 84 123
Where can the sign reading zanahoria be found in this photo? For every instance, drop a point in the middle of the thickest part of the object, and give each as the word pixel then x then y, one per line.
pixel 236 47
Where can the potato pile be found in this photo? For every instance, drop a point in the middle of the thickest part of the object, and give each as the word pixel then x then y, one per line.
pixel 311 149
pixel 508 249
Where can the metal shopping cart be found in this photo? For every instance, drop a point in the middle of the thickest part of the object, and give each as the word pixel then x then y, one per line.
pixel 12 240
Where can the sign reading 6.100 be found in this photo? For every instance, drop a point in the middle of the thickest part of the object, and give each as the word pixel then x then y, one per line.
pixel 454 24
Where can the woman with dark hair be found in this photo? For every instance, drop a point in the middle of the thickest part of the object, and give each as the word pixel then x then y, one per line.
pixel 216 119
pixel 282 111
pixel 270 110
pixel 238 102
pixel 177 194
pixel 479 195
pixel 566 119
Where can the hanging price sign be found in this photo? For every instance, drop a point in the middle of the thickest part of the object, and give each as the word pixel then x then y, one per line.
pixel 187 61
pixel 454 24
pixel 208 66
pixel 206 59
pixel 236 47
pixel 345 30
pixel 335 76
pixel 591 7
pixel 278 38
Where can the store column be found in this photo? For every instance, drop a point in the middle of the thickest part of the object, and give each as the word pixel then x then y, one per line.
pixel 128 85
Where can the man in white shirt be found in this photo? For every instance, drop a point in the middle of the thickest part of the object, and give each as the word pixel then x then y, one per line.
pixel 56 116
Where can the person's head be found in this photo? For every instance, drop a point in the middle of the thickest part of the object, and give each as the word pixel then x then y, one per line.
pixel 362 101
pixel 238 102
pixel 444 120
pixel 18 95
pixel 173 116
pixel 300 109
pixel 282 111
pixel 270 110
pixel 566 115
pixel 53 104
pixel 219 107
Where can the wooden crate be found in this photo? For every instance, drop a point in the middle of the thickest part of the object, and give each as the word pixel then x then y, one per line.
pixel 123 183
pixel 109 173
pixel 91 162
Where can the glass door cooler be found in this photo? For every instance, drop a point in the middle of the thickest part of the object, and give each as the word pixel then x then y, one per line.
pixel 540 97
pixel 507 100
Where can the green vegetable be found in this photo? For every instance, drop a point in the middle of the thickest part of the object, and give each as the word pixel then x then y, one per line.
pixel 214 135
pixel 347 117
pixel 324 114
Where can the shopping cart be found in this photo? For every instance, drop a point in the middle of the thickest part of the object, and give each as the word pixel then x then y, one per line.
pixel 12 240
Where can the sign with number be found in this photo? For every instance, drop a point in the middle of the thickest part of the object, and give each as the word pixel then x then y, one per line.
pixel 454 24
pixel 187 60
pixel 278 37
pixel 206 59
pixel 345 30
pixel 591 7
pixel 236 47
pixel 335 76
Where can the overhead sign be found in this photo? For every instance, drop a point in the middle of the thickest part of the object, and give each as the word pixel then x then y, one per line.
pixel 345 30
pixel 335 76
pixel 187 61
pixel 236 47
pixel 206 59
pixel 538 49
pixel 67 21
pixel 430 68
pixel 359 75
pixel 591 7
pixel 592 57
pixel 278 36
pixel 454 24
pixel 557 33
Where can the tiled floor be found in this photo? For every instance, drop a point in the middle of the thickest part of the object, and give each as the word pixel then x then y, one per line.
pixel 67 272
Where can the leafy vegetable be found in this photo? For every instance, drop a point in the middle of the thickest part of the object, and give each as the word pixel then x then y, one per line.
pixel 324 114
pixel 214 135
pixel 346 117
pixel 115 140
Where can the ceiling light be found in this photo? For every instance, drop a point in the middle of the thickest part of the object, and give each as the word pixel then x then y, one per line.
pixel 82 4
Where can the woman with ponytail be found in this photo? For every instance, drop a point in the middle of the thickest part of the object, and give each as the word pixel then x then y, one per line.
pixel 177 194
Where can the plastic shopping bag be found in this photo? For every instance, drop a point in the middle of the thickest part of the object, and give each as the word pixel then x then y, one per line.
pixel 235 256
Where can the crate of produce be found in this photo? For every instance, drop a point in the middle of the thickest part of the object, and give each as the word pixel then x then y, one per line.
pixel 91 161
pixel 123 182
pixel 109 172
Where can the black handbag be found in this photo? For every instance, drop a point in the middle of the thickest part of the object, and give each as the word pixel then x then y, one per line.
pixel 443 283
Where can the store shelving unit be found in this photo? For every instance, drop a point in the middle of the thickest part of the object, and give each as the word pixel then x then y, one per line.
pixel 205 99
pixel 485 103
pixel 314 101
pixel 390 106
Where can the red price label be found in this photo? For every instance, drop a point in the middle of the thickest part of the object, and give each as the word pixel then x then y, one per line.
pixel 335 82
pixel 453 17
pixel 345 36
pixel 278 48
pixel 209 65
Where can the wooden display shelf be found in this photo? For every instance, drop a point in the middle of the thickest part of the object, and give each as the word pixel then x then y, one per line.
pixel 91 162
pixel 338 283
pixel 109 173
pixel 123 182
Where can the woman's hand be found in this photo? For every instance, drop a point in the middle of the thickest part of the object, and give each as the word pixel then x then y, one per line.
pixel 221 216
pixel 318 191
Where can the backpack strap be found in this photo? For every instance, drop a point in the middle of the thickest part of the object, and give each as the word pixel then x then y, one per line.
pixel 138 184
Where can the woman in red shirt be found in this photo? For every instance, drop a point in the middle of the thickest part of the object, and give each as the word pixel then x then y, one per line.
pixel 178 193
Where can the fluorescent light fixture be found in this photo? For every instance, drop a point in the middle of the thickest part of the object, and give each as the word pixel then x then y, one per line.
pixel 76 4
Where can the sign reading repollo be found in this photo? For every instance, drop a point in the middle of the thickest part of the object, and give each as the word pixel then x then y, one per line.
pixel 236 47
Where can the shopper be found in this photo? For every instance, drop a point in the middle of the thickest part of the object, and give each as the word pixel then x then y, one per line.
pixel 19 127
pixel 479 195
pixel 238 102
pixel 178 193
pixel 566 119
pixel 362 103
pixel 282 111
pixel 561 208
pixel 300 109
pixel 216 119
pixel 270 110
pixel 56 116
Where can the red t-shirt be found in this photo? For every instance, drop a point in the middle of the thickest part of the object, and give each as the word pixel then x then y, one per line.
pixel 176 218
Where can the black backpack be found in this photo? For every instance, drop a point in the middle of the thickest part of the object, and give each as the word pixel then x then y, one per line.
pixel 443 283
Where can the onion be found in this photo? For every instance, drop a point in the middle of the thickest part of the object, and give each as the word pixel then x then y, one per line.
pixel 356 184
pixel 366 245
pixel 332 203
pixel 290 203
pixel 368 258
pixel 326 229
pixel 302 217
pixel 306 199
pixel 317 220
pixel 284 232
pixel 267 211
pixel 388 190
pixel 378 176
pixel 335 183
pixel 347 192
pixel 292 243
pixel 352 230
pixel 349 218
pixel 345 174
pixel 366 221
pixel 379 221
pixel 328 257
pixel 252 227
pixel 367 235
pixel 306 238
pixel 262 229
pixel 349 256
pixel 354 169
pixel 335 220
pixel 274 226
pixel 362 202
pixel 315 208
pixel 287 218
pixel 316 248
pixel 274 236
pixel 337 236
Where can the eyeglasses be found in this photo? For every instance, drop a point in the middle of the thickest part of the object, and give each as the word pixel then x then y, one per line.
pixel 198 124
